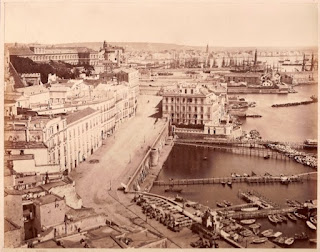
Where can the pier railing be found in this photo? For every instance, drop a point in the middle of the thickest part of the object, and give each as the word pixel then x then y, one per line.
pixel 242 179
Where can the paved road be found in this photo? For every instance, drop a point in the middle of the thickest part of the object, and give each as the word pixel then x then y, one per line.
pixel 119 156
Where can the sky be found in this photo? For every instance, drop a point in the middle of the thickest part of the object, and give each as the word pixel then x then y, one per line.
pixel 235 23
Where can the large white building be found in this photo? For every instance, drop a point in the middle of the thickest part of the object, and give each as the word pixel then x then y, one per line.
pixel 196 106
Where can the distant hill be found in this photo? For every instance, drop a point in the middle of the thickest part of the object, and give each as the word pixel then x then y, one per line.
pixel 158 47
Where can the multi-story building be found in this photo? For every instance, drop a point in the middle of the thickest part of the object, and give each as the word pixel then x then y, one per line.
pixel 41 54
pixel 190 104
pixel 83 136
pixel 196 106
pixel 38 141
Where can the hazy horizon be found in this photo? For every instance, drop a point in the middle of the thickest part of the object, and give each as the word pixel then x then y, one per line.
pixel 232 24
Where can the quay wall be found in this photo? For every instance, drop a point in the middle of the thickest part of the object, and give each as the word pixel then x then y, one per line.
pixel 150 160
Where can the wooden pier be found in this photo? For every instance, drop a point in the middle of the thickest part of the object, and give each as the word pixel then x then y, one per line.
pixel 242 179
pixel 259 152
pixel 263 213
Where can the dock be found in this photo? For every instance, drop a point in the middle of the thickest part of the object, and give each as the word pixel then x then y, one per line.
pixel 242 179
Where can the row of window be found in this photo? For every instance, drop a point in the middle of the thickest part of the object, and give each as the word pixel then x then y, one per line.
pixel 54 57
pixel 173 115
pixel 185 100
pixel 196 109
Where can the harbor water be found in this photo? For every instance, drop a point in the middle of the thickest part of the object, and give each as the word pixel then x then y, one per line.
pixel 294 124
pixel 289 124
pixel 188 162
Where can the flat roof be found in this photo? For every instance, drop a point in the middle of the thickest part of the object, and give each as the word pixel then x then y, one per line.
pixel 79 115
pixel 24 145
pixel 9 225
pixel 47 199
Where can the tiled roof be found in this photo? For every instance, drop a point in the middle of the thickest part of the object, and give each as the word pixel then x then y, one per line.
pixel 79 114
pixel 20 51
pixel 24 145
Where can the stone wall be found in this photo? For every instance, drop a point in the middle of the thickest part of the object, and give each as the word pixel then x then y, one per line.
pixel 150 159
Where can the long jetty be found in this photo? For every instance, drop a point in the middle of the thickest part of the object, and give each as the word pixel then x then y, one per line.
pixel 242 179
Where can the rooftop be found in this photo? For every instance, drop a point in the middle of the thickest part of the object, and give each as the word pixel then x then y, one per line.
pixel 79 115
pixel 24 145
pixel 47 199
pixel 20 51
pixel 9 225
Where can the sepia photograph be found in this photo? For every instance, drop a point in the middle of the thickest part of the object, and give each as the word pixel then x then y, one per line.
pixel 159 124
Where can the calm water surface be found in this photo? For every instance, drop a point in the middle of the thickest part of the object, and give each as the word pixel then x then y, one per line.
pixel 293 124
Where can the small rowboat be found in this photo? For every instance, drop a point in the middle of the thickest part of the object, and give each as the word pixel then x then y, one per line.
pixel 272 219
pixel 267 233
pixel 289 241
pixel 255 226
pixel 220 204
pixel 249 209
pixel 227 203
pixel 313 241
pixel 260 240
pixel 311 226
pixel 246 233
pixel 301 216
pixel 277 234
pixel 223 183
pixel 248 222
pixel 229 183
pixel 302 236
pixel 292 217
pixel 280 240
pixel 313 220
pixel 282 217
pixel 278 218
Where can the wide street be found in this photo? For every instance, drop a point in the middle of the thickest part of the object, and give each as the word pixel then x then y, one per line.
pixel 118 157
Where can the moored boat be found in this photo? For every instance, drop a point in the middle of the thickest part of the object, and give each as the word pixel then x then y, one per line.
pixel 227 203
pixel 246 233
pixel 302 236
pixel 272 219
pixel 313 240
pixel 229 183
pixel 292 217
pixel 255 225
pixel 301 216
pixel 313 220
pixel 282 217
pixel 248 221
pixel 289 241
pixel 311 226
pixel 280 240
pixel 220 204
pixel 277 234
pixel 266 157
pixel 223 183
pixel 267 233
pixel 260 240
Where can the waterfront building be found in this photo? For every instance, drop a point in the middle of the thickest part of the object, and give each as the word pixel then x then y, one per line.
pixel 249 78
pixel 196 106
pixel 190 104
